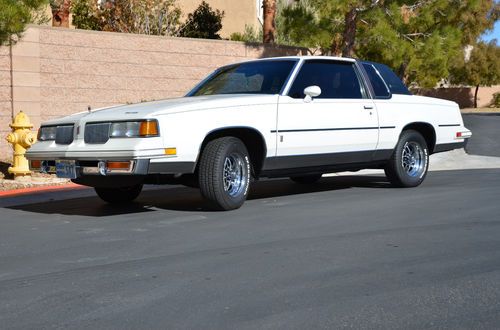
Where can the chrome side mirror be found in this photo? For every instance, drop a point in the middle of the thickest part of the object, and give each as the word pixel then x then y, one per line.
pixel 310 92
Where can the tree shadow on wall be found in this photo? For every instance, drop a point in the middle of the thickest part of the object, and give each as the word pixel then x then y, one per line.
pixel 462 95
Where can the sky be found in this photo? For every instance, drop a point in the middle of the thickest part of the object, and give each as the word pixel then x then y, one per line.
pixel 494 34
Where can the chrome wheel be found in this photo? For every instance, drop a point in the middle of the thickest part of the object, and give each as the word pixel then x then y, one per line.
pixel 234 174
pixel 413 159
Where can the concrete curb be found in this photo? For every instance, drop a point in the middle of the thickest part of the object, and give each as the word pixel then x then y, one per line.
pixel 447 161
pixel 37 190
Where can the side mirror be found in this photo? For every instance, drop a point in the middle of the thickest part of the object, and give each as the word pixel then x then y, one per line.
pixel 310 92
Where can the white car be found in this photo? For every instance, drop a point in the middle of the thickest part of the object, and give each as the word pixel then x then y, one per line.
pixel 297 117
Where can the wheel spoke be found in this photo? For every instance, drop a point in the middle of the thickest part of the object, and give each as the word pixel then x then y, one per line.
pixel 413 159
pixel 234 174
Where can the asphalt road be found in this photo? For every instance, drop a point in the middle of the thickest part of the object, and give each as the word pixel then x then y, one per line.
pixel 485 134
pixel 348 252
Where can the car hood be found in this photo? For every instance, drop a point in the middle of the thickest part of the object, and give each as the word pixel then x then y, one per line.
pixel 166 107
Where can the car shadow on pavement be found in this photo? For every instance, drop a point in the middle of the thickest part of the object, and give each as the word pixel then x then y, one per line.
pixel 179 198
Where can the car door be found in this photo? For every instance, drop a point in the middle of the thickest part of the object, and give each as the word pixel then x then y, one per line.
pixel 338 126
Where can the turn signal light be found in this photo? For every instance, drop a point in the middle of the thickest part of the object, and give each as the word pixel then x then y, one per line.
pixel 148 128
pixel 118 165
pixel 171 151
pixel 36 164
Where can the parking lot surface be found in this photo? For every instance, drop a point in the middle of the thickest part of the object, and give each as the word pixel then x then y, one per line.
pixel 349 251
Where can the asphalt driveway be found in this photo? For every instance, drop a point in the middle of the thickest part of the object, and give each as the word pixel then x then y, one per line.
pixel 485 134
pixel 347 252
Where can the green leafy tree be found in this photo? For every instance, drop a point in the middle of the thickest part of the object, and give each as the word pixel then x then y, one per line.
pixel 156 17
pixel 203 23
pixel 86 15
pixel 480 68
pixel 15 15
pixel 249 35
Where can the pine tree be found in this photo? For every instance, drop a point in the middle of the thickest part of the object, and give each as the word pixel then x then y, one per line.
pixel 419 38
pixel 15 15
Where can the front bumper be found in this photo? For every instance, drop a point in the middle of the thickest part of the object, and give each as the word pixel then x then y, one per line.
pixel 102 167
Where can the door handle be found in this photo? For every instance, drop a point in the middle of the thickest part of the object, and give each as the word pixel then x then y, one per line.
pixel 368 107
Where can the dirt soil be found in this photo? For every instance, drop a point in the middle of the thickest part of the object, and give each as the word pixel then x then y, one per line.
pixel 7 181
pixel 480 110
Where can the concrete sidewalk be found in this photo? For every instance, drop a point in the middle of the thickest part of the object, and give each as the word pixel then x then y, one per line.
pixel 460 160
pixel 446 161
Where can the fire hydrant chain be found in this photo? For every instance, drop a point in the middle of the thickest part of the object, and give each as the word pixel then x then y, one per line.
pixel 21 139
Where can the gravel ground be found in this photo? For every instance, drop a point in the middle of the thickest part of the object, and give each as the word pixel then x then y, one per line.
pixel 480 110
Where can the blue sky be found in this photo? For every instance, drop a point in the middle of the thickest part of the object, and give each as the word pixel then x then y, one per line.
pixel 495 34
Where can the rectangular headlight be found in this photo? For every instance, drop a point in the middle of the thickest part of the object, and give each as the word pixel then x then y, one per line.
pixel 144 128
pixel 47 133
pixel 124 129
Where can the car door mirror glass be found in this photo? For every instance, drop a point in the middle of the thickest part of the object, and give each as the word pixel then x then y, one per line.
pixel 310 92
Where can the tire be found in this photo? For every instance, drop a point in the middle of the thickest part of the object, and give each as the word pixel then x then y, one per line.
pixel 224 173
pixel 119 195
pixel 306 179
pixel 409 162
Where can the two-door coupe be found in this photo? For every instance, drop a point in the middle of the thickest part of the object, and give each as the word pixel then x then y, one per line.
pixel 297 117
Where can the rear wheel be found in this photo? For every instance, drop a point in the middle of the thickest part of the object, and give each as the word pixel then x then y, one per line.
pixel 224 173
pixel 119 195
pixel 306 179
pixel 409 162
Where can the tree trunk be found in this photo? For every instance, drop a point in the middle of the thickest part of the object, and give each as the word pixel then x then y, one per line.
pixel 60 16
pixel 402 72
pixel 336 46
pixel 349 35
pixel 269 24
pixel 475 96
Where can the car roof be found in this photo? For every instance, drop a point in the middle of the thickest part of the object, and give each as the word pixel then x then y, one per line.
pixel 306 57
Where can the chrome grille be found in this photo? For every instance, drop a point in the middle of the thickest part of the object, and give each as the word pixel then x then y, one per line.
pixel 97 132
pixel 64 134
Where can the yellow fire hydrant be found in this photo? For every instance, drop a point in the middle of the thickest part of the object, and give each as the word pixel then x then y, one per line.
pixel 21 139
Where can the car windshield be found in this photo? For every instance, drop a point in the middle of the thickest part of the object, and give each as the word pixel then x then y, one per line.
pixel 259 77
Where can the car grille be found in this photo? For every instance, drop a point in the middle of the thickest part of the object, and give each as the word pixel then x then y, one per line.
pixel 64 134
pixel 97 132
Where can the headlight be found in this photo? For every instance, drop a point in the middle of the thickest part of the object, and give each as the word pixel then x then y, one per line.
pixel 47 133
pixel 124 129
pixel 145 128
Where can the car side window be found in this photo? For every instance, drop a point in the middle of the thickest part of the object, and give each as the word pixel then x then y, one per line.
pixel 395 84
pixel 379 87
pixel 337 80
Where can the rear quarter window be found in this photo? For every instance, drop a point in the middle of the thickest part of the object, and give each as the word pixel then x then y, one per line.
pixel 395 84
pixel 379 87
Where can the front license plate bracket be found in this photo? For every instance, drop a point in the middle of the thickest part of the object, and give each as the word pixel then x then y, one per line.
pixel 66 169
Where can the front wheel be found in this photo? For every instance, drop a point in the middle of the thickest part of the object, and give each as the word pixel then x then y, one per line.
pixel 224 173
pixel 119 195
pixel 409 162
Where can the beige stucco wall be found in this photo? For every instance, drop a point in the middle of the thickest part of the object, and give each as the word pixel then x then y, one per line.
pixel 59 71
